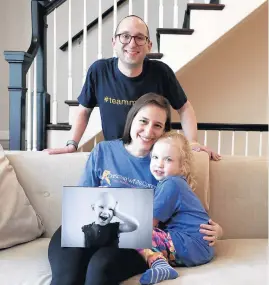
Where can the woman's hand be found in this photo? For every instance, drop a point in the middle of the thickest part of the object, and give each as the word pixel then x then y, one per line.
pixel 212 231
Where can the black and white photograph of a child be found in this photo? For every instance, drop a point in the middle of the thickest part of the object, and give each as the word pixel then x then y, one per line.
pixel 103 231
pixel 97 217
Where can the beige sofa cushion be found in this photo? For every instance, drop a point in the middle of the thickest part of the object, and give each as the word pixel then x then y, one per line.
pixel 237 262
pixel 43 180
pixel 239 196
pixel 18 220
pixel 26 264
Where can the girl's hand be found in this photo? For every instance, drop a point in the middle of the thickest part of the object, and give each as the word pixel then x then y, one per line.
pixel 116 209
pixel 212 231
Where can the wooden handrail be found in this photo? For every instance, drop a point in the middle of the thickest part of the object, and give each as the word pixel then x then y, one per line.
pixel 51 5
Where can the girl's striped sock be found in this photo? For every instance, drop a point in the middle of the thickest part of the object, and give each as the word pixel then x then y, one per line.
pixel 160 270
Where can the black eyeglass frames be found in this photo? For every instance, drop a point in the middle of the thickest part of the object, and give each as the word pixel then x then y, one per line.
pixel 125 38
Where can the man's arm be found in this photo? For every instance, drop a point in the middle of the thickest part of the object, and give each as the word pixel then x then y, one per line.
pixel 79 127
pixel 188 122
pixel 189 127
pixel 81 122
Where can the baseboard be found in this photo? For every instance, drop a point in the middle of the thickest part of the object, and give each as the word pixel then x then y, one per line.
pixel 4 135
pixel 4 144
pixel 4 139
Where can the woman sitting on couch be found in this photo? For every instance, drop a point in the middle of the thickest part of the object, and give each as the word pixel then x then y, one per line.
pixel 128 157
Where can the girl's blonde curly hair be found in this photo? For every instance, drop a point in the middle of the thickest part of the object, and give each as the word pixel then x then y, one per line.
pixel 185 153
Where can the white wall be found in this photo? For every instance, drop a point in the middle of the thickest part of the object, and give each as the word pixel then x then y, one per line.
pixel 228 82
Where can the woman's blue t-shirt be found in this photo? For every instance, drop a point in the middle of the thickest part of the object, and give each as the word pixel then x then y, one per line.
pixel 111 165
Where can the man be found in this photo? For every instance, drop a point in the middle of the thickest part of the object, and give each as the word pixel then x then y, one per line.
pixel 115 83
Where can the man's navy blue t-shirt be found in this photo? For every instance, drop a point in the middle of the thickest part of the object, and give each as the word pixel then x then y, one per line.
pixel 115 93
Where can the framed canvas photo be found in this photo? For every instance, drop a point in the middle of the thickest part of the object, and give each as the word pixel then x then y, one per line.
pixel 97 217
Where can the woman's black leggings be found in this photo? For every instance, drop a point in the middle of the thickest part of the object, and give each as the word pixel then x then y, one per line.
pixel 84 266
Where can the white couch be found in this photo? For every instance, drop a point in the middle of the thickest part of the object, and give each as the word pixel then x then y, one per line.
pixel 235 189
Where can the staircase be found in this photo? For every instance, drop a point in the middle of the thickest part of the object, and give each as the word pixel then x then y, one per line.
pixel 202 25
pixel 209 23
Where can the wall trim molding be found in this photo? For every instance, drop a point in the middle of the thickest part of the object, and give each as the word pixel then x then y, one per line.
pixel 4 135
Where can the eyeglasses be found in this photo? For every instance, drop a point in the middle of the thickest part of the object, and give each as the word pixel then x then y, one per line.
pixel 140 40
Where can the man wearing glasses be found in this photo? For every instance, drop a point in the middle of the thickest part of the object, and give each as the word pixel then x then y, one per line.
pixel 114 84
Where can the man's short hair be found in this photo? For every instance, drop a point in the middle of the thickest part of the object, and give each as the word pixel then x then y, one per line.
pixel 116 31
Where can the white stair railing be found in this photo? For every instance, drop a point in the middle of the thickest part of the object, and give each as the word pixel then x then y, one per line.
pixel 146 5
pixel 246 146
pixel 175 23
pixel 35 108
pixel 100 29
pixel 115 20
pixel 29 110
pixel 161 14
pixel 247 142
pixel 84 61
pixel 85 65
pixel 130 7
pixel 54 100
pixel 219 141
pixel 70 82
pixel 260 144
pixel 232 148
pixel 205 138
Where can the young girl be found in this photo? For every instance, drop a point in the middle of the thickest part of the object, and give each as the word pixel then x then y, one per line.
pixel 103 232
pixel 178 212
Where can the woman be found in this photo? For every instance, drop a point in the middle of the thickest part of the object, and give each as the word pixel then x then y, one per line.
pixel 118 163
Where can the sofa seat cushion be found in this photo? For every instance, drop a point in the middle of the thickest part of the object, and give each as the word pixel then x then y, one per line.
pixel 26 264
pixel 237 262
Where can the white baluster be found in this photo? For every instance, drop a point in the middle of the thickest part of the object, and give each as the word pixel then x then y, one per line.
pixel 175 14
pixel 54 101
pixel 205 139
pixel 35 109
pixel 115 16
pixel 100 30
pixel 233 135
pixel 246 149
pixel 260 145
pixel 70 83
pixel 29 111
pixel 219 141
pixel 84 67
pixel 115 20
pixel 146 11
pixel 161 14
pixel 130 7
